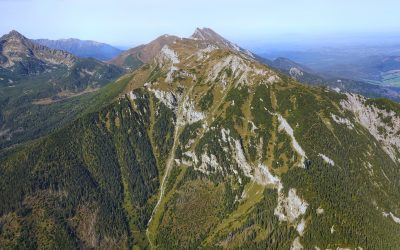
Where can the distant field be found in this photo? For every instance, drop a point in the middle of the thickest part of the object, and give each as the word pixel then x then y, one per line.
pixel 391 78
pixel 388 78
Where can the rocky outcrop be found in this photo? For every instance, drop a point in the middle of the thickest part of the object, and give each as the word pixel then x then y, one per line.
pixel 15 48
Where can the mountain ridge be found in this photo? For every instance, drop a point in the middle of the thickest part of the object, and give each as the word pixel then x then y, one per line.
pixel 82 48
pixel 135 57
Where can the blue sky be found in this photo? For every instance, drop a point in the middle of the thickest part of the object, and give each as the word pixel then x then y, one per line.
pixel 128 23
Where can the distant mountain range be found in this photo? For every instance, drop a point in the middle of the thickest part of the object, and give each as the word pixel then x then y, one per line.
pixel 82 48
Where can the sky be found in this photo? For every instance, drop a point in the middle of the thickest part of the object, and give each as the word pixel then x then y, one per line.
pixel 127 23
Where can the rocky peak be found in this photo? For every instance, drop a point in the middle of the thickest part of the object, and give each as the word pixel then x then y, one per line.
pixel 15 38
pixel 206 34
pixel 14 34
pixel 16 48
pixel 210 35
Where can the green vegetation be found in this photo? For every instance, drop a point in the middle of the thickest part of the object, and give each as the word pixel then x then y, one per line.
pixel 132 62
pixel 191 214
pixel 207 100
pixel 189 132
pixel 34 106
pixel 163 130
pixel 260 229
pixel 89 165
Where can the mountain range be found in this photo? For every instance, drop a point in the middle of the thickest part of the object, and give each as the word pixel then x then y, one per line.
pixel 204 146
pixel 82 48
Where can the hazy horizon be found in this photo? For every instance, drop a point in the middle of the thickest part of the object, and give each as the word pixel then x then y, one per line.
pixel 128 23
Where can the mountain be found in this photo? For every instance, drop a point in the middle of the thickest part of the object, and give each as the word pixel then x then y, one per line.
pixel 82 48
pixel 207 34
pixel 205 147
pixel 21 56
pixel 297 71
pixel 33 78
pixel 135 57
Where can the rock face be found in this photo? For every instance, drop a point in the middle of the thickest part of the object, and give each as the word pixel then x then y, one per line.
pixel 17 50
pixel 383 124
pixel 208 148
